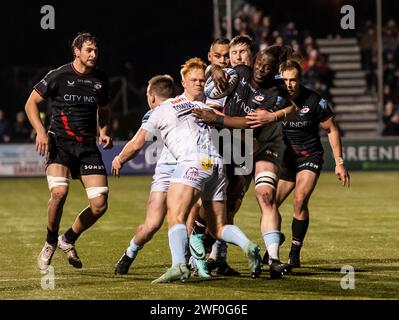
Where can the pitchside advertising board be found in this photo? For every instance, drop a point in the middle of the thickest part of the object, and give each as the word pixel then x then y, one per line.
pixel 365 155
pixel 22 160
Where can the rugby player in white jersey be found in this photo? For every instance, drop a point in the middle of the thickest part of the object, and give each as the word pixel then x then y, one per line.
pixel 199 173
pixel 159 89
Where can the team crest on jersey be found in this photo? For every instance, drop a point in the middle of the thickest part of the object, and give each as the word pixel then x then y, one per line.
pixel 97 86
pixel 259 98
pixel 191 174
pixel 70 83
pixel 304 110
pixel 206 163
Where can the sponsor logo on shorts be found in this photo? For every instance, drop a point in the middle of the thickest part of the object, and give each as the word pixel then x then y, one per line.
pixel 93 167
pixel 309 165
pixel 271 153
pixel 191 174
pixel 206 163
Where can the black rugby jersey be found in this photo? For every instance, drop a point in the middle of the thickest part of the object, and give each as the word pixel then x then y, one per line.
pixel 249 96
pixel 302 133
pixel 75 98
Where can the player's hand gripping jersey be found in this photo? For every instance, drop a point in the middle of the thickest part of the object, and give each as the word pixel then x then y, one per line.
pixel 182 134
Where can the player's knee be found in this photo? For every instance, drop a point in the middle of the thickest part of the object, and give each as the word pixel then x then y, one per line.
pixel 58 187
pixel 58 195
pixel 265 187
pixel 153 226
pixel 99 208
pixel 265 196
pixel 266 179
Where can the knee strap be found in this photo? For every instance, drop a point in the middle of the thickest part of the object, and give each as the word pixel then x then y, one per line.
pixel 94 192
pixel 266 178
pixel 57 182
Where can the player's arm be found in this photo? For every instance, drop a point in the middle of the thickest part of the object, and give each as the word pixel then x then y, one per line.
pixel 262 116
pixel 32 111
pixel 104 117
pixel 129 151
pixel 336 146
pixel 214 117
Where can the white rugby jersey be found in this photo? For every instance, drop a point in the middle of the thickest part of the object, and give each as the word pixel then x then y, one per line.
pixel 182 133
pixel 166 157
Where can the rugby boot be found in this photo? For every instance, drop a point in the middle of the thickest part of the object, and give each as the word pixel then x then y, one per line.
pixel 124 263
pixel 254 259
pixel 278 269
pixel 45 256
pixel 70 251
pixel 177 272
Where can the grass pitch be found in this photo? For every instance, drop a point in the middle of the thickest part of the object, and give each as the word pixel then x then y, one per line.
pixel 356 227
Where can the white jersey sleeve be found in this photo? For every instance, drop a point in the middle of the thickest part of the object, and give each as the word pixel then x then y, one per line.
pixel 183 134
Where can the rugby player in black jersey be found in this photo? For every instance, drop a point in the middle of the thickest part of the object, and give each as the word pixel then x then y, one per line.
pixel 303 158
pixel 80 94
pixel 260 96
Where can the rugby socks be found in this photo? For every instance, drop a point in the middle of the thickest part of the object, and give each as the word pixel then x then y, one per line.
pixel 299 229
pixel 272 242
pixel 177 243
pixel 233 234
pixel 71 236
pixel 132 250
pixel 219 251
pixel 52 236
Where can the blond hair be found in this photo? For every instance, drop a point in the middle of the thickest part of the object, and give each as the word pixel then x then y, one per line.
pixel 193 63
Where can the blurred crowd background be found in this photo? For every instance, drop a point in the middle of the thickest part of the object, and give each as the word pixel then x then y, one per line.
pixel 297 26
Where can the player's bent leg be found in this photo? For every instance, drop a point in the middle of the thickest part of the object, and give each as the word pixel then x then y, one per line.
pixel 156 212
pixel 180 199
pixel 97 193
pixel 216 222
pixel 58 182
pixel 306 182
pixel 284 188
pixel 266 180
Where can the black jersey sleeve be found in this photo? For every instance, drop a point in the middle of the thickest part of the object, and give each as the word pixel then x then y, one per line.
pixel 323 110
pixel 243 71
pixel 104 96
pixel 48 85
pixel 275 98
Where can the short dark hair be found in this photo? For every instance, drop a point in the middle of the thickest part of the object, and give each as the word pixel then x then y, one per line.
pixel 290 65
pixel 162 86
pixel 80 39
pixel 243 39
pixel 220 41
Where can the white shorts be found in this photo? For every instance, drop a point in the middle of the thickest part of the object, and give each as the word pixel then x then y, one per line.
pixel 161 178
pixel 206 175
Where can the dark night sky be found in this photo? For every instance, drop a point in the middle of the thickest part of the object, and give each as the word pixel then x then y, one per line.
pixel 154 36
pixel 150 36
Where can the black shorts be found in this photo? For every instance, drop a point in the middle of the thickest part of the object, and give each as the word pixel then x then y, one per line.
pixel 293 164
pixel 271 151
pixel 82 158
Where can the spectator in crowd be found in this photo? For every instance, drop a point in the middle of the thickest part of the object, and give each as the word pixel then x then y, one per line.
pixel 22 130
pixel 368 44
pixel 391 119
pixel 5 128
